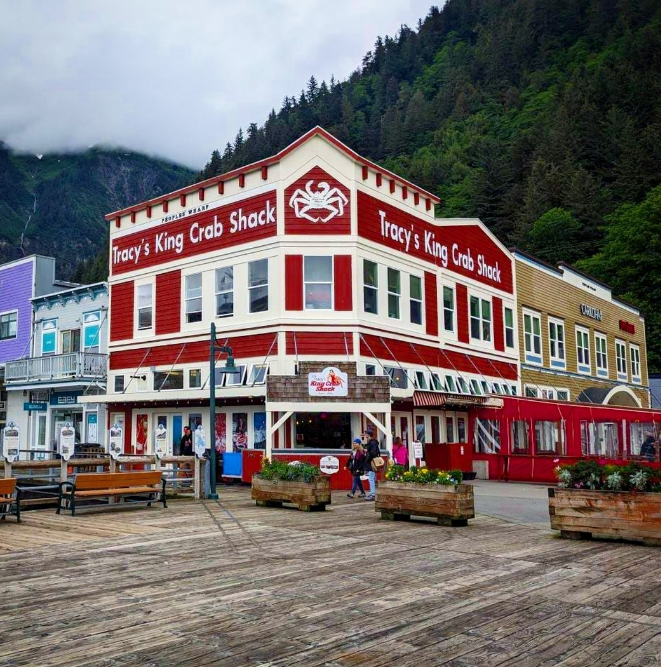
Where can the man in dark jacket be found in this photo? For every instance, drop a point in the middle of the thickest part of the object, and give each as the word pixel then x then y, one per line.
pixel 647 449
pixel 372 450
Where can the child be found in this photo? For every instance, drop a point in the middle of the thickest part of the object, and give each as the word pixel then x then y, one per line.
pixel 356 466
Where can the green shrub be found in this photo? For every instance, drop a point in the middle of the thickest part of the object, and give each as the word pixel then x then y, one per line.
pixel 288 472
pixel 415 475
pixel 595 476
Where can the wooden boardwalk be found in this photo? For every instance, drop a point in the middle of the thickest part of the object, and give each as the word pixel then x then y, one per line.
pixel 230 584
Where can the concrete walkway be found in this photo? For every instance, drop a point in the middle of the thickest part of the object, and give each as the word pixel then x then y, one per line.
pixel 514 502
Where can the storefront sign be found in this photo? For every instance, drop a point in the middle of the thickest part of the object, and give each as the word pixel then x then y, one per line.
pixel 161 441
pixel 67 441
pixel 329 465
pixel 11 438
pixel 417 450
pixel 39 407
pixel 65 398
pixel 330 382
pixel 115 441
pixel 591 311
pixel 92 427
pixel 199 442
pixel 627 327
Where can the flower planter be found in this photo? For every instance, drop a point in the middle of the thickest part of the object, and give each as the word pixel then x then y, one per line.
pixel 449 505
pixel 623 515
pixel 309 496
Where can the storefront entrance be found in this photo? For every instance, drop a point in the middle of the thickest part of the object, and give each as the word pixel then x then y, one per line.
pixel 323 430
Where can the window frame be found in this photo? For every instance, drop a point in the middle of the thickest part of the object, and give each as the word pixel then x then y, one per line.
pixel 323 283
pixel 146 308
pixel 559 443
pixel 193 316
pixel 556 359
pixel 480 320
pixel 91 324
pixel 621 361
pixel 253 288
pixel 416 301
pixel 8 314
pixel 636 377
pixel 585 368
pixel 218 293
pixel 49 332
pixel 509 328
pixel 371 288
pixel 254 371
pixel 449 312
pixel 394 297
pixel 530 354
pixel 602 371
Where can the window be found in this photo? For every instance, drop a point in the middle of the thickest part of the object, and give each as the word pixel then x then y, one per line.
pixel 318 283
pixel 48 337
pixel 91 330
pixel 600 439
pixel 496 388
pixel 168 380
pixel 462 386
pixel 480 315
pixel 420 429
pixel 193 298
pixel 370 287
pixel 450 384
pixel 485 387
pixel 621 359
pixel 583 350
pixel 640 431
pixel 415 295
pixel 520 439
pixel 8 325
pixel 238 378
pixel 394 292
pixel 258 286
pixel 487 436
pixel 119 384
pixel 557 342
pixel 475 387
pixel 421 380
pixel 635 363
pixel 461 429
pixel 194 378
pixel 549 437
pixel 448 308
pixel 398 378
pixel 449 429
pixel 257 375
pixel 600 354
pixel 532 337
pixel 70 341
pixel 370 369
pixel 436 382
pixel 225 291
pixel 530 392
pixel 509 327
pixel 145 306
pixel 563 394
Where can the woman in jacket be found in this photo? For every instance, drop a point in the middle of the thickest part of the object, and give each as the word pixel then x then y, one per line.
pixel 356 466
pixel 399 452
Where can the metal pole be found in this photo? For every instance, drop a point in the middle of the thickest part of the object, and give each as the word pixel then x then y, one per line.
pixel 212 414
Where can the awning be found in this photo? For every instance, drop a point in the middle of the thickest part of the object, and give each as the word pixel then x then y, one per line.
pixel 438 399
pixel 65 385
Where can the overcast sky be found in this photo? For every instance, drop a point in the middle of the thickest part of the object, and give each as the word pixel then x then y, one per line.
pixel 176 78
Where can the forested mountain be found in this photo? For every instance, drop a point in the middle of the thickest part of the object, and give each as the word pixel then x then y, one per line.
pixel 54 204
pixel 541 117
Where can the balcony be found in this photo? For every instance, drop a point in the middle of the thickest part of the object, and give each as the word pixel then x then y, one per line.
pixel 57 367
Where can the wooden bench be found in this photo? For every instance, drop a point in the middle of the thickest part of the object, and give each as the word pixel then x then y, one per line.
pixel 108 485
pixel 10 503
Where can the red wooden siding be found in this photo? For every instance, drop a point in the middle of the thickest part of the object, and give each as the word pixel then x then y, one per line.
pixel 415 353
pixel 314 182
pixel 498 330
pixel 465 249
pixel 244 221
pixel 244 347
pixel 342 282
pixel 431 304
pixel 462 314
pixel 121 311
pixel 293 282
pixel 323 343
pixel 168 302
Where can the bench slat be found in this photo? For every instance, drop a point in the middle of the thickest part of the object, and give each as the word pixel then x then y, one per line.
pixel 89 481
pixel 116 492
pixel 7 485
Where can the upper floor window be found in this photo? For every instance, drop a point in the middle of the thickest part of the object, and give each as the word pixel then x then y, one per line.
pixel 258 286
pixel 635 363
pixel 398 378
pixel 394 293
pixel 49 337
pixel 70 341
pixel 583 350
pixel 225 291
pixel 91 331
pixel 193 298
pixel 532 337
pixel 370 287
pixel 318 279
pixel 480 312
pixel 145 306
pixel 557 342
pixel 416 299
pixel 621 359
pixel 509 327
pixel 601 354
pixel 8 325
pixel 448 308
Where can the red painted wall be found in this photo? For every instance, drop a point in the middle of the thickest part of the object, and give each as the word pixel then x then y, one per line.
pixel 121 311
pixel 248 220
pixel 168 302
pixel 319 342
pixel 329 205
pixel 431 304
pixel 342 282
pixel 463 335
pixel 293 282
pixel 498 326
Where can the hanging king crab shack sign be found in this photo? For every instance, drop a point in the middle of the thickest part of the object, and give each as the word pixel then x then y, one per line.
pixel 330 382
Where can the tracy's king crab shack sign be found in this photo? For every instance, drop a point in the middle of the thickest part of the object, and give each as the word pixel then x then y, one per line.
pixel 330 382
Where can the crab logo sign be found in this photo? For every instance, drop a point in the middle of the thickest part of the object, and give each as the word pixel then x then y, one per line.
pixel 330 382
pixel 320 205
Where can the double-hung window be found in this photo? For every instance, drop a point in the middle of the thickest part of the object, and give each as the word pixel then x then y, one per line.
pixel 49 337
pixel 370 287
pixel 601 354
pixel 448 308
pixel 145 306
pixel 394 293
pixel 91 331
pixel 8 325
pixel 583 350
pixel 621 359
pixel 318 279
pixel 532 337
pixel 509 327
pixel 635 363
pixel 480 317
pixel 258 286
pixel 225 291
pixel 415 298
pixel 557 342
pixel 193 298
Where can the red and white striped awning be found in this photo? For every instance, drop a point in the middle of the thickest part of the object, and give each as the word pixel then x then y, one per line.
pixel 437 399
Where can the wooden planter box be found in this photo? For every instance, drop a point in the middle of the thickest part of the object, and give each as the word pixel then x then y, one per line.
pixel 309 496
pixel 449 505
pixel 583 514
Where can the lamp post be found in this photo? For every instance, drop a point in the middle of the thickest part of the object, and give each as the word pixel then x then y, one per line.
pixel 229 367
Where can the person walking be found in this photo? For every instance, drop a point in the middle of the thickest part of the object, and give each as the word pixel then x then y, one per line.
pixel 373 451
pixel 356 466
pixel 400 454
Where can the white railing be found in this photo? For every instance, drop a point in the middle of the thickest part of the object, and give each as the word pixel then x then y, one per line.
pixel 57 366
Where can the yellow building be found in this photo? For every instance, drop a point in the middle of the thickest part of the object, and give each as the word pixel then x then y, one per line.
pixel 577 342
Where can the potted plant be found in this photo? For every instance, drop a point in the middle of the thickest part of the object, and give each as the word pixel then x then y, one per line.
pixel 607 501
pixel 423 492
pixel 299 483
